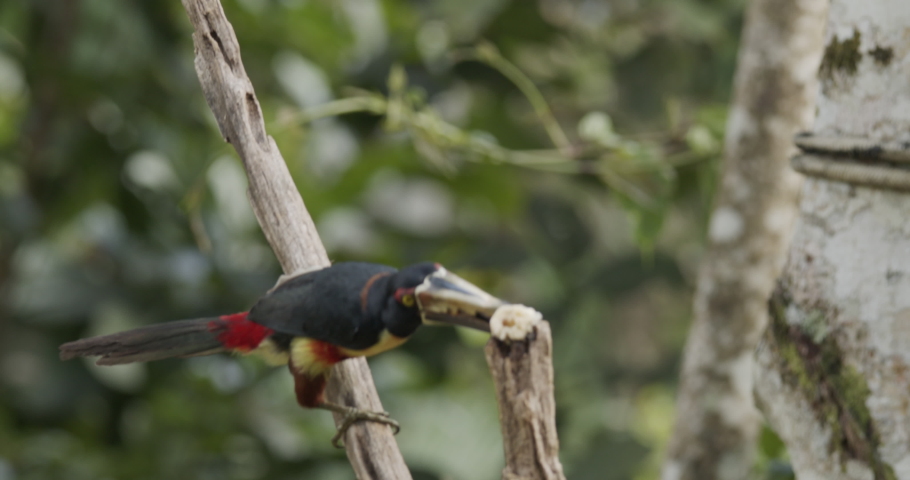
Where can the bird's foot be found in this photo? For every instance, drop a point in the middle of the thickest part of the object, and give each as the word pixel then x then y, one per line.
pixel 353 415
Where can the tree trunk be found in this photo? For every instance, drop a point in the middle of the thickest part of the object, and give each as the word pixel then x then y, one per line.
pixel 775 85
pixel 833 370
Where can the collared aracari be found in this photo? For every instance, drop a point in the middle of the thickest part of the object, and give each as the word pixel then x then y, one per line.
pixel 311 322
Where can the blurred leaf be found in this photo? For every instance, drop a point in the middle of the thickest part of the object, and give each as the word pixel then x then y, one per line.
pixel 598 127
pixel 770 444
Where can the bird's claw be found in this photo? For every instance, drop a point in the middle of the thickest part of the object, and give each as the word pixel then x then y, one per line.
pixel 352 416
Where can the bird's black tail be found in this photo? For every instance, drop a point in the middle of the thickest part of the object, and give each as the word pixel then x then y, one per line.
pixel 184 338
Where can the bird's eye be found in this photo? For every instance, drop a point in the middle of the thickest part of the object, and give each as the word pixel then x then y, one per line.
pixel 405 296
pixel 407 300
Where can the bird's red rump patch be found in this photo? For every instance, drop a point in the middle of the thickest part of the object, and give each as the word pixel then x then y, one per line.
pixel 326 352
pixel 237 333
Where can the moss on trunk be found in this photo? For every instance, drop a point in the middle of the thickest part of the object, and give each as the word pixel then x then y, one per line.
pixel 841 56
pixel 811 361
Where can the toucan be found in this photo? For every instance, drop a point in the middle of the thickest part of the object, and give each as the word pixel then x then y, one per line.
pixel 312 321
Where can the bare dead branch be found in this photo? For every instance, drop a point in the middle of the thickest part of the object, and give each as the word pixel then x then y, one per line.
pixel 523 375
pixel 287 225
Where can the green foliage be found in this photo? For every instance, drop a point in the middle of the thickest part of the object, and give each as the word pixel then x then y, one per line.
pixel 537 148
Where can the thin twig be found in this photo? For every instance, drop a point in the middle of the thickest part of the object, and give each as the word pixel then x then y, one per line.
pixel 487 53
pixel 374 104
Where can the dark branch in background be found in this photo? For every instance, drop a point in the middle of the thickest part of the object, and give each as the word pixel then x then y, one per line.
pixel 287 225
pixel 54 41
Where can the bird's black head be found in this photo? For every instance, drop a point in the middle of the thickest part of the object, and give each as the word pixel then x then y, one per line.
pixel 400 312
pixel 427 293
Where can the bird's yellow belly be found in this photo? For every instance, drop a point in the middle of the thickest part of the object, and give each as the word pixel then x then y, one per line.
pixel 269 351
pixel 319 356
pixel 387 341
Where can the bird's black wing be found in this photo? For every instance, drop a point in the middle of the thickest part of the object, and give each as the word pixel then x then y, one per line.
pixel 324 305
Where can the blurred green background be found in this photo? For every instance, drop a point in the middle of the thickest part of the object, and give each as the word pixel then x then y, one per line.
pixel 120 205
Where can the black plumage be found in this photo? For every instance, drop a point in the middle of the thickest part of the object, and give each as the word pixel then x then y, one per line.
pixel 348 305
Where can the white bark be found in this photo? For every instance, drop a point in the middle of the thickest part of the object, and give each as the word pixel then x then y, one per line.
pixel 833 375
pixel 775 84
pixel 848 286
pixel 874 100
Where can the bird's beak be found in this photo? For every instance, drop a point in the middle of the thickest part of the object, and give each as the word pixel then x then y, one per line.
pixel 446 298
